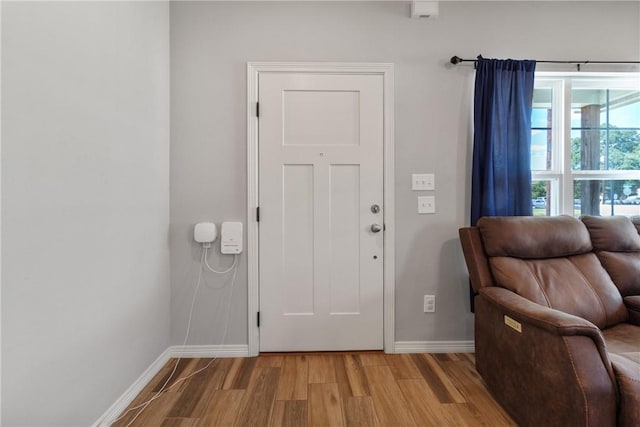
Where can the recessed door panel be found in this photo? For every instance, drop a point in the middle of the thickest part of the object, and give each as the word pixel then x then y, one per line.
pixel 297 239
pixel 321 117
pixel 345 244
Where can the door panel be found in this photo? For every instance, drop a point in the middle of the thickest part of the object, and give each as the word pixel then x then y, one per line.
pixel 320 170
pixel 297 239
pixel 321 117
pixel 345 243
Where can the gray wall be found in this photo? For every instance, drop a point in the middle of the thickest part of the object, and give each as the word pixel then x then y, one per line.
pixel 210 45
pixel 85 205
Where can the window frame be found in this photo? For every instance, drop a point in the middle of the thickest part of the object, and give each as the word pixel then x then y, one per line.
pixel 560 175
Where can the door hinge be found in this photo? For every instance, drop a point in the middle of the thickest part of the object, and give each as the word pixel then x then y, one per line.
pixel 258 214
pixel 257 109
pixel 258 317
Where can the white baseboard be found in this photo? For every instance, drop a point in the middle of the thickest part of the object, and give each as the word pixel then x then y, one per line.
pixel 190 351
pixel 205 351
pixel 127 397
pixel 435 346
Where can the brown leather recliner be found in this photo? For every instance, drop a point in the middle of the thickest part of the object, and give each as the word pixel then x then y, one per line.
pixel 555 341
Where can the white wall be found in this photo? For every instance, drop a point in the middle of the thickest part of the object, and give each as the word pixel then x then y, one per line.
pixel 85 204
pixel 210 45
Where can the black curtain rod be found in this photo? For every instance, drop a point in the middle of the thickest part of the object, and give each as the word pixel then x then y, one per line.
pixel 456 60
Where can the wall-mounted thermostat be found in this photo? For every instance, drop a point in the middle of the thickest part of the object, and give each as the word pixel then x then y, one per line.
pixel 231 238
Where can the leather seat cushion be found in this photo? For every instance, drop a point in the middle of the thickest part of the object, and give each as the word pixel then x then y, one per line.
pixel 624 340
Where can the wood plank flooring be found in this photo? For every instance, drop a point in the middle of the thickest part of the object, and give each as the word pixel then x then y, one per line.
pixel 321 389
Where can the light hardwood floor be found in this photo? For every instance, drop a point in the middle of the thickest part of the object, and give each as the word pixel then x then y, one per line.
pixel 322 389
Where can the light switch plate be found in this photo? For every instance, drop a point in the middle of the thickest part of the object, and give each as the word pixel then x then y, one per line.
pixel 426 204
pixel 423 181
pixel 429 303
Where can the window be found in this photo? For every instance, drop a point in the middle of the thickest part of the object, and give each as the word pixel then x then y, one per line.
pixel 585 144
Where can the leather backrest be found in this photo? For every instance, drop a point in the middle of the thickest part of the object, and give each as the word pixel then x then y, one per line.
pixel 549 260
pixel 534 237
pixel 617 244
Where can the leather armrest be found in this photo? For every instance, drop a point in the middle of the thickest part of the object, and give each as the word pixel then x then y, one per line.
pixel 520 342
pixel 633 305
pixel 537 315
pixel 628 376
pixel 554 321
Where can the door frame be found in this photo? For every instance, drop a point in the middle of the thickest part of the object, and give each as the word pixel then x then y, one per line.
pixel 254 69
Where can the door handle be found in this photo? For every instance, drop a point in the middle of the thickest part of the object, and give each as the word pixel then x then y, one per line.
pixel 376 228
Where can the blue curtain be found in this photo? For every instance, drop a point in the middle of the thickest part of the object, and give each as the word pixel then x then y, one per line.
pixel 501 176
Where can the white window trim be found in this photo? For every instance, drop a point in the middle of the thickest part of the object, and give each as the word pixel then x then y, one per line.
pixel 560 175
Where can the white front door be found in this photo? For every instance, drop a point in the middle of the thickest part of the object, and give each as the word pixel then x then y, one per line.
pixel 320 193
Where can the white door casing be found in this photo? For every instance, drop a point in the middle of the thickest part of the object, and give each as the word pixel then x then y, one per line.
pixel 319 272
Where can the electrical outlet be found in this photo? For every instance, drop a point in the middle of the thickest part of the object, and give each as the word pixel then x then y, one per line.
pixel 429 303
